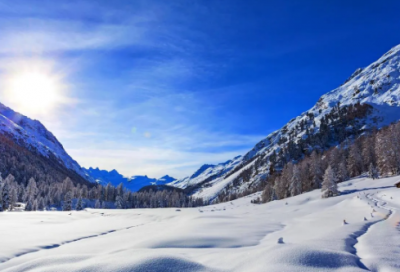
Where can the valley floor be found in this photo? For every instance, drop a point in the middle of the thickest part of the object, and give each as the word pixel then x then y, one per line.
pixel 233 236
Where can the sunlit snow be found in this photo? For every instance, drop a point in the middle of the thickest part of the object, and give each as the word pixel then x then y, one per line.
pixel 303 233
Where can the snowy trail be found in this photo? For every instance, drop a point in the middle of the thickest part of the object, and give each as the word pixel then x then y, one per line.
pixel 52 246
pixel 380 236
pixel 235 236
pixel 367 228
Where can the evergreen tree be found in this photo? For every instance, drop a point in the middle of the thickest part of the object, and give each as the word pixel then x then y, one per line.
pixel 372 172
pixel 13 198
pixel 6 196
pixel 67 205
pixel 267 193
pixel 79 204
pixel 29 205
pixel 97 205
pixel 119 203
pixel 41 204
pixel 329 186
pixel 295 183
pixel 1 199
pixel 342 174
pixel 316 170
pixel 31 190
pixel 354 162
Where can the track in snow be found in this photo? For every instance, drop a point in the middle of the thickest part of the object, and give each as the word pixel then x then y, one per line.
pixel 65 243
pixel 375 201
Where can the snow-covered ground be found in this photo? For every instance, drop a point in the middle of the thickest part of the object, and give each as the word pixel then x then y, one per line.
pixel 234 236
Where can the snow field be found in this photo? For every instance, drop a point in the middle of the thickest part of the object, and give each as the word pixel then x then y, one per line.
pixel 233 236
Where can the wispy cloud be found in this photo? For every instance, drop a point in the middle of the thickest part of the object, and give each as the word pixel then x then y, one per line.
pixel 138 76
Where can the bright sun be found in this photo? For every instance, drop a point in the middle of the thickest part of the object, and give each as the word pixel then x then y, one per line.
pixel 33 91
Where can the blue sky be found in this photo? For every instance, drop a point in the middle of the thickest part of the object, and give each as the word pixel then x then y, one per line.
pixel 162 87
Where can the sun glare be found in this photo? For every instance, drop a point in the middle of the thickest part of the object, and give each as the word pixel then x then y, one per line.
pixel 33 91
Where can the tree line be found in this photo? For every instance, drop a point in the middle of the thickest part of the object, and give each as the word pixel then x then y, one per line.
pixel 376 153
pixel 45 195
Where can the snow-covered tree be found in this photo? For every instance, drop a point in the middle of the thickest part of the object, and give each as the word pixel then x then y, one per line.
pixel 1 199
pixel 295 183
pixel 13 198
pixel 342 174
pixel 280 188
pixel 266 195
pixel 29 205
pixel 67 186
pixel 329 186
pixel 31 190
pixel 316 170
pixel 67 204
pixel 79 204
pixel 372 172
pixel 119 203
pixel 354 161
pixel 41 204
pixel 5 196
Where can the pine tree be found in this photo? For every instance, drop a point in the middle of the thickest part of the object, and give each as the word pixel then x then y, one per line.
pixel 29 205
pixel 97 205
pixel 31 189
pixel 79 204
pixel 329 186
pixel 372 172
pixel 295 183
pixel 35 205
pixel 6 196
pixel 13 198
pixel 342 174
pixel 1 199
pixel 119 203
pixel 279 188
pixel 316 170
pixel 354 162
pixel 41 204
pixel 267 193
pixel 67 205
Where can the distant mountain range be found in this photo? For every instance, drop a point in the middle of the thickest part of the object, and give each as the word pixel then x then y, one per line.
pixel 134 183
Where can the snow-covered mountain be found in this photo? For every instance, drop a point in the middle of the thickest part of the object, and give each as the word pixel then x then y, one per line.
pixel 134 183
pixel 207 172
pixel 31 134
pixel 369 98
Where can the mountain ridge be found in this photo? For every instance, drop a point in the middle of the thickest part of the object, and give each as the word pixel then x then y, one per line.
pixel 33 135
pixel 369 98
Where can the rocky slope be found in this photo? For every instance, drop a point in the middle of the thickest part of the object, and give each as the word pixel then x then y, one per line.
pixel 41 149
